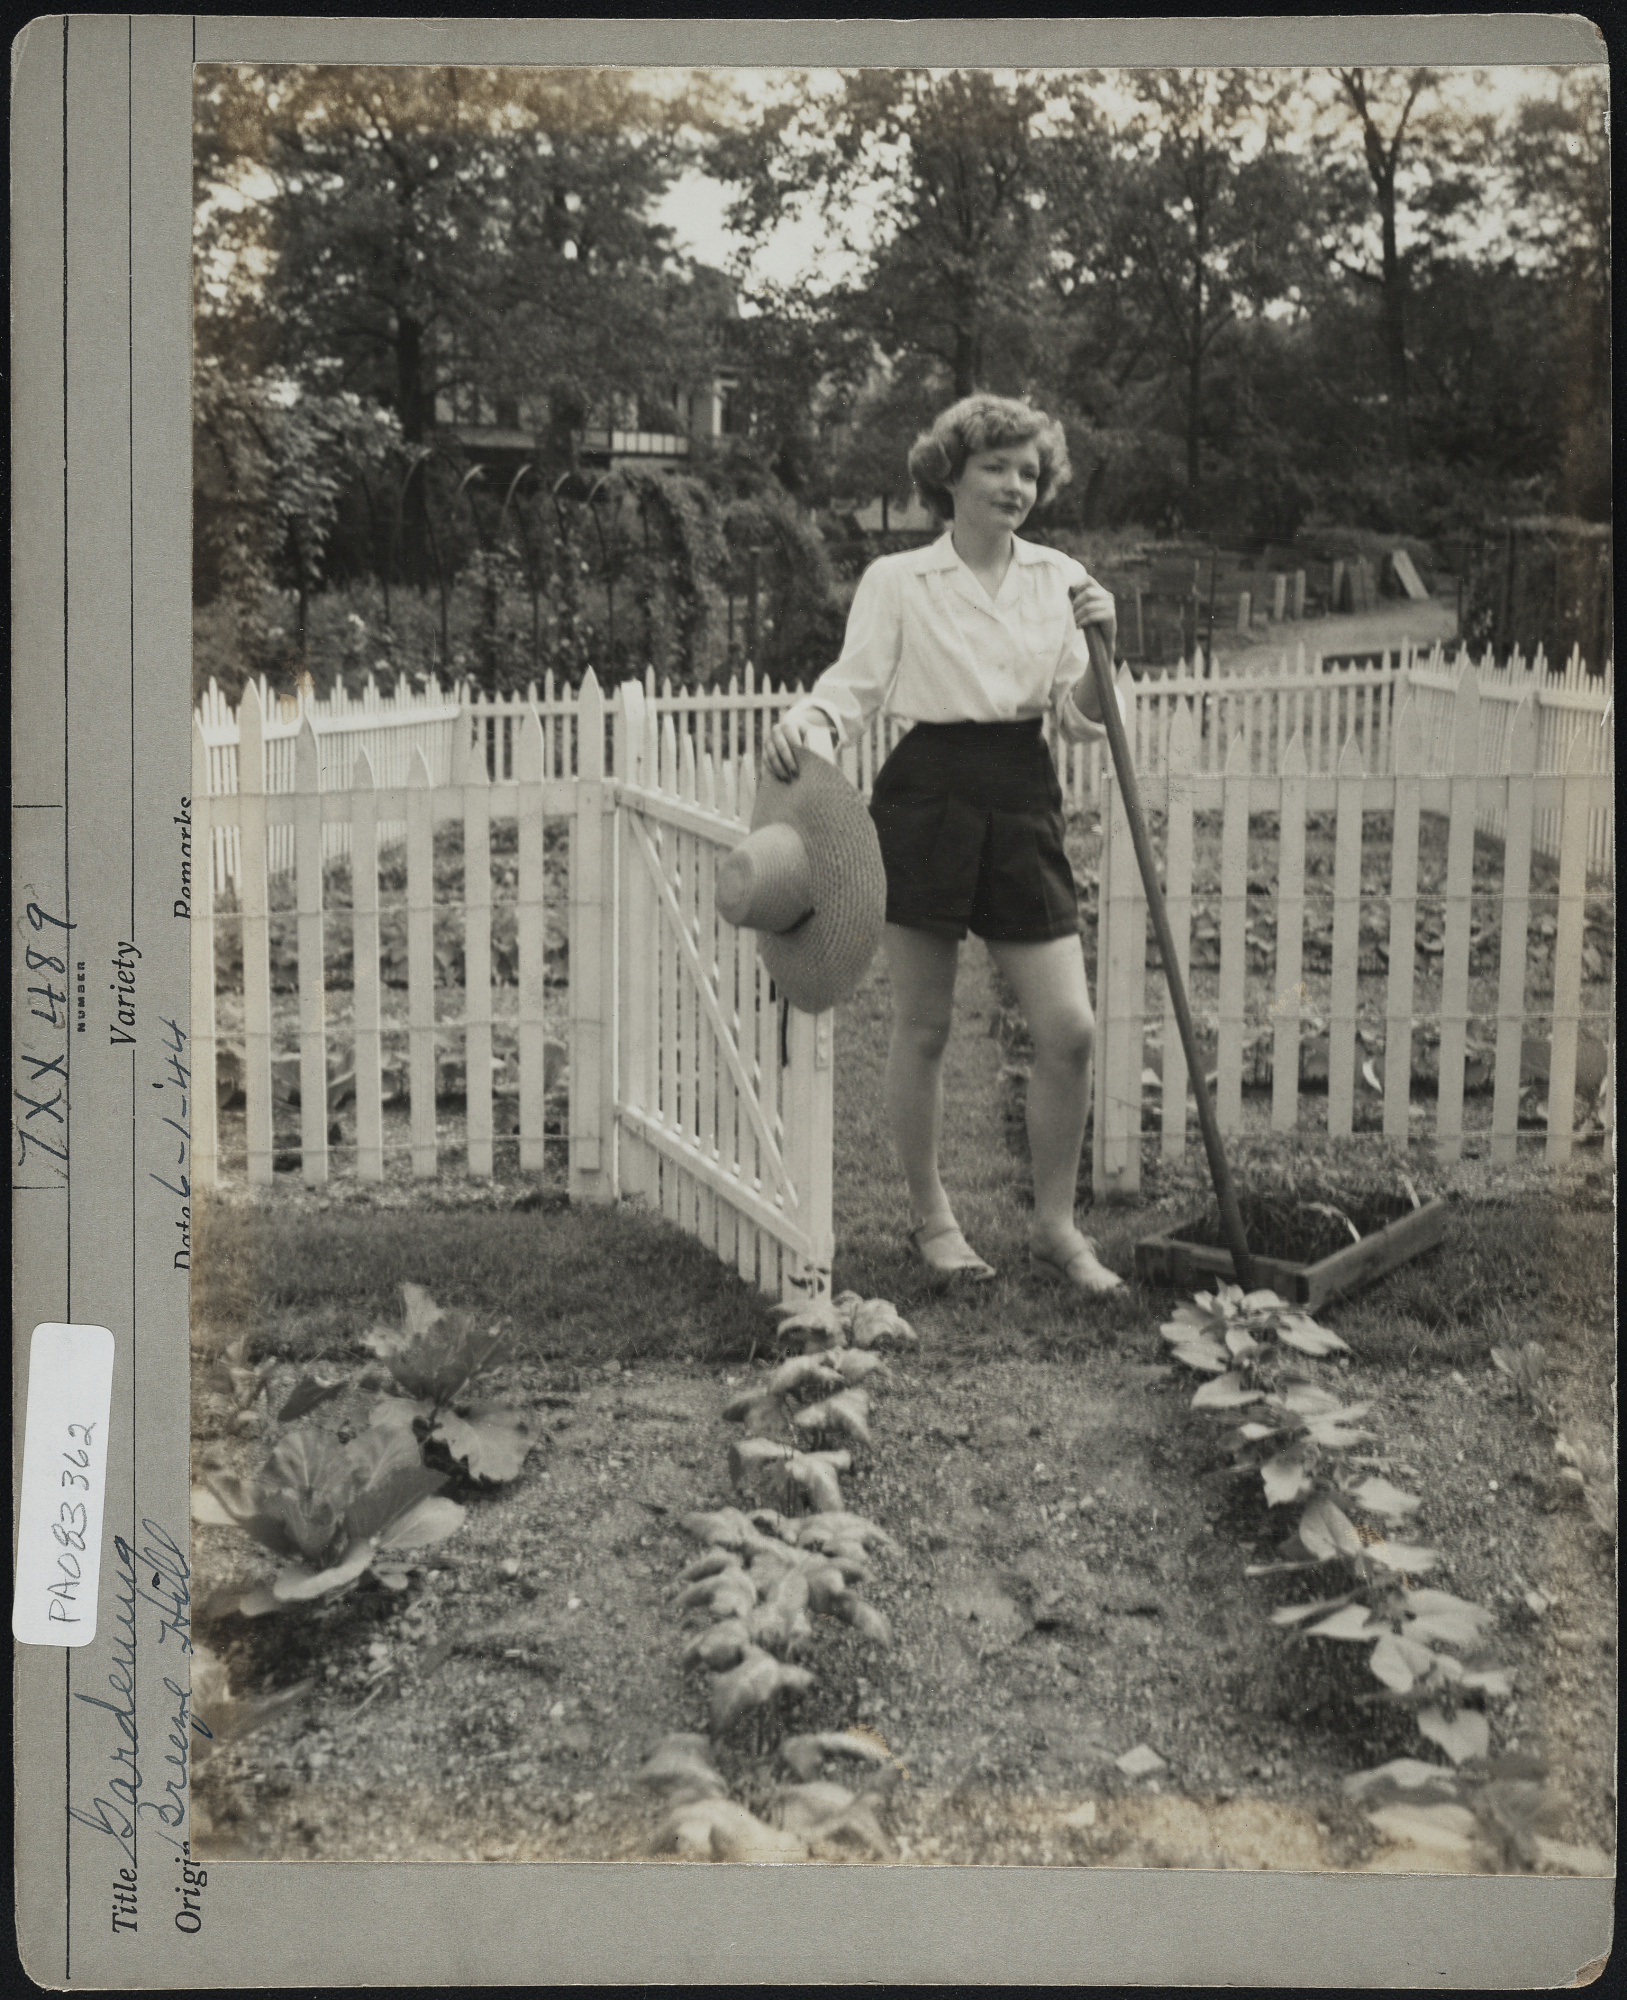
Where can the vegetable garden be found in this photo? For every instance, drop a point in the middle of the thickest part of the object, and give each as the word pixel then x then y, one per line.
pixel 1032 1631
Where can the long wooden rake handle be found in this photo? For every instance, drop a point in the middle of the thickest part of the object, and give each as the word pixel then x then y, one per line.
pixel 1231 1216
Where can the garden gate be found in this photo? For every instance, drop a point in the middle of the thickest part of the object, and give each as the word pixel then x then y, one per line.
pixel 690 1085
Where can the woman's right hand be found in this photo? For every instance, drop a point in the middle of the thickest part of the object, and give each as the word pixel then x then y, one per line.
pixel 784 746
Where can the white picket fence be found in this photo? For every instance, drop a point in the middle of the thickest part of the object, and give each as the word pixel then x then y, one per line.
pixel 687 1084
pixel 1297 696
pixel 1423 767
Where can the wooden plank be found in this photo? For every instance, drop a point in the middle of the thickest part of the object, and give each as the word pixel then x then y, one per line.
pixel 253 892
pixel 591 956
pixel 477 965
pixel 706 944
pixel 671 969
pixel 1465 751
pixel 1410 580
pixel 635 1163
pixel 1288 1004
pixel 1568 942
pixel 364 955
pixel 531 915
pixel 726 1036
pixel 421 1071
pixel 1178 902
pixel 1233 943
pixel 1346 943
pixel 688 994
pixel 313 1040
pixel 1520 750
pixel 201 971
pixel 809 1152
pixel 1362 1263
pixel 1407 754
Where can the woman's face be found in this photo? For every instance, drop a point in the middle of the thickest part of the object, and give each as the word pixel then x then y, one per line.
pixel 997 488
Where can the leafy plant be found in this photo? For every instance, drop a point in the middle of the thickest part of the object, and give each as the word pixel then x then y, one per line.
pixel 434 1355
pixel 331 1512
pixel 218 1715
pixel 1299 1439
pixel 1500 1819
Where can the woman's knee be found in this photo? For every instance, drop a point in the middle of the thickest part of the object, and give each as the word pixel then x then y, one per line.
pixel 924 1036
pixel 1066 1039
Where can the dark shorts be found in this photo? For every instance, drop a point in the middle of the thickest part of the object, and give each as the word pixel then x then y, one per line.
pixel 969 816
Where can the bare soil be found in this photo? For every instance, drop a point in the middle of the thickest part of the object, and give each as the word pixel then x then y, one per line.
pixel 1067 1586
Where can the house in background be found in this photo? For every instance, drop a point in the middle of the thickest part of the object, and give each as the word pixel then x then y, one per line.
pixel 504 431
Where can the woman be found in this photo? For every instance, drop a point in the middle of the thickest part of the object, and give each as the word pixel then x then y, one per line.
pixel 974 639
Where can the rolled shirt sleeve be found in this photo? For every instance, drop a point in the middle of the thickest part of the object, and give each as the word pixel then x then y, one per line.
pixel 846 695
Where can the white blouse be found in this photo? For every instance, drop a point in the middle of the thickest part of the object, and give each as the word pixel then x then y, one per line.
pixel 925 640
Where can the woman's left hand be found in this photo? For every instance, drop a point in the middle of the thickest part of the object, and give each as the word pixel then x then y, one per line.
pixel 1093 604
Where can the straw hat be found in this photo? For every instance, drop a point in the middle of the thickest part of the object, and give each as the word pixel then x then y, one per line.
pixel 808 879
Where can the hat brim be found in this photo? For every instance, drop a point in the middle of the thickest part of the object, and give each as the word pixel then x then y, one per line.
pixel 824 958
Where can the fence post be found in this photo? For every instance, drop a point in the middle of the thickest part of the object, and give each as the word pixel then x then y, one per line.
pixel 1463 793
pixel 1346 940
pixel 1178 900
pixel 1568 940
pixel 1235 790
pixel 809 1151
pixel 313 1041
pixel 1515 918
pixel 421 1062
pixel 531 916
pixel 252 887
pixel 364 955
pixel 468 774
pixel 1406 755
pixel 1290 957
pixel 592 955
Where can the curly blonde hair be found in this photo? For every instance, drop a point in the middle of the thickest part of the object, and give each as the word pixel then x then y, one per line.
pixel 985 423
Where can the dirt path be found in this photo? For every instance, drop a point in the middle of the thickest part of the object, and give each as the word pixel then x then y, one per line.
pixel 1384 628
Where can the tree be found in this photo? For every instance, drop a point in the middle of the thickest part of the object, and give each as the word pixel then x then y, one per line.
pixel 933 187
pixel 1207 217
pixel 271 464
pixel 441 233
pixel 1420 161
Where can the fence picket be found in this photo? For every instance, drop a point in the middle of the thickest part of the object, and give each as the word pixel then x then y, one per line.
pixel 592 958
pixel 477 966
pixel 1464 793
pixel 1521 753
pixel 1407 746
pixel 1121 972
pixel 1178 901
pixel 1568 942
pixel 313 1040
pixel 364 953
pixel 706 927
pixel 421 1063
pixel 1233 943
pixel 531 918
pixel 1290 956
pixel 201 980
pixel 635 1157
pixel 689 1021
pixel 254 899
pixel 1347 842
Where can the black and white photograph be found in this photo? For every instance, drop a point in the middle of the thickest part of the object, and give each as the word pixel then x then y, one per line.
pixel 902 923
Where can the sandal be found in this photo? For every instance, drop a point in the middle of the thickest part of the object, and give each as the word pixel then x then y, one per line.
pixel 1081 1268
pixel 957 1258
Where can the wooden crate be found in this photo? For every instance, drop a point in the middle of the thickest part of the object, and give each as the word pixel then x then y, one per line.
pixel 1168 1259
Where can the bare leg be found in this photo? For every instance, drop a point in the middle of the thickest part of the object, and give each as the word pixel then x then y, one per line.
pixel 922 967
pixel 1055 998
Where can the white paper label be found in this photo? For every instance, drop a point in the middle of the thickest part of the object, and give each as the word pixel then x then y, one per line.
pixel 59 1523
